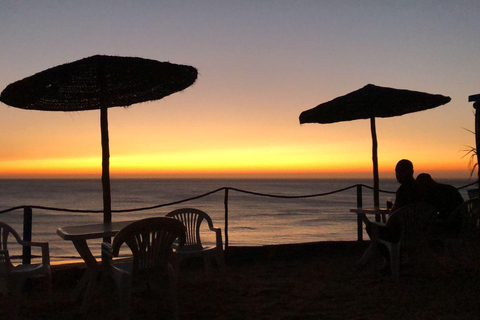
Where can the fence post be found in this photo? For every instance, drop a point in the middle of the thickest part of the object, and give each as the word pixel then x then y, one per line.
pixel 27 235
pixel 225 201
pixel 359 220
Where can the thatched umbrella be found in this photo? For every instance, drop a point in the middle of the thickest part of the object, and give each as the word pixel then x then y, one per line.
pixel 370 102
pixel 99 82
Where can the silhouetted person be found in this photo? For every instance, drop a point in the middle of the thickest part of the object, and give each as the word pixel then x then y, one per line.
pixel 443 197
pixel 406 192
pixel 405 195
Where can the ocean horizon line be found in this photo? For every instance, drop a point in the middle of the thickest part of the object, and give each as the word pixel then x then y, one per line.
pixel 205 178
pixel 471 179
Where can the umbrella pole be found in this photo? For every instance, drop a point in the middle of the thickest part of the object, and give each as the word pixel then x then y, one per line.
pixel 376 182
pixel 107 205
pixel 477 140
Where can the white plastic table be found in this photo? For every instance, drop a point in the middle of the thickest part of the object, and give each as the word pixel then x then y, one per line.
pixel 79 236
pixel 381 214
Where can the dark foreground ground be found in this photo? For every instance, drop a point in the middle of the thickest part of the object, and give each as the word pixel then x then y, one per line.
pixel 309 281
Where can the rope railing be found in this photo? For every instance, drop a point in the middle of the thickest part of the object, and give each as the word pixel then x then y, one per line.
pixel 371 188
pixel 467 185
pixel 292 197
pixel 114 211
pixel 28 209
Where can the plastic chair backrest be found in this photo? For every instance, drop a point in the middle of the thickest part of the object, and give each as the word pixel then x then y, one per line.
pixel 5 231
pixel 150 241
pixel 415 220
pixel 192 220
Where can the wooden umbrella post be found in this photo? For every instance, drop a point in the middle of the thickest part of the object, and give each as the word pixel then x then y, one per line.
pixel 477 139
pixel 376 182
pixel 107 202
pixel 475 99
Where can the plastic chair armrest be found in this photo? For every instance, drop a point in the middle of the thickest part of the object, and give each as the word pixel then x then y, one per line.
pixel 45 252
pixel 379 224
pixel 43 246
pixel 32 244
pixel 218 233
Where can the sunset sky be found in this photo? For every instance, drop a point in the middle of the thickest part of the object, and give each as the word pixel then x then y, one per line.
pixel 261 63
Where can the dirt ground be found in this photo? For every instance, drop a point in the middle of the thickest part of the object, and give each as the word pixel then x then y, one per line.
pixel 308 281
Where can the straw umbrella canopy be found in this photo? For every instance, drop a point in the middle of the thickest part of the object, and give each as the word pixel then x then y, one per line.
pixel 371 102
pixel 99 82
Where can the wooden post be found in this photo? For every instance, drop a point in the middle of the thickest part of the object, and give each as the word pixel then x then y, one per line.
pixel 376 180
pixel 27 235
pixel 359 196
pixel 359 219
pixel 107 206
pixel 475 99
pixel 225 202
pixel 477 140
pixel 107 201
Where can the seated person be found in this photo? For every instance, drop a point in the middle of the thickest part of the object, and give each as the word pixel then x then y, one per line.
pixel 443 197
pixel 405 195
pixel 406 192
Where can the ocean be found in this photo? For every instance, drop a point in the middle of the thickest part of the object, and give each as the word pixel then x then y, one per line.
pixel 253 219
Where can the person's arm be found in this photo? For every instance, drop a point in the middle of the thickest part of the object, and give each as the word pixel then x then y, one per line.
pixel 394 207
pixel 398 200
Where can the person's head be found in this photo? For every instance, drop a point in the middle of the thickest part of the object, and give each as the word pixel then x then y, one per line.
pixel 404 171
pixel 424 185
pixel 425 179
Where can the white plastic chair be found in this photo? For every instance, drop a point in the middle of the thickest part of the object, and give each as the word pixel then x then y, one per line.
pixel 413 222
pixel 192 220
pixel 13 277
pixel 150 241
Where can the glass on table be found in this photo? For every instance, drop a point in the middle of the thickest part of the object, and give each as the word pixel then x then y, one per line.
pixel 389 203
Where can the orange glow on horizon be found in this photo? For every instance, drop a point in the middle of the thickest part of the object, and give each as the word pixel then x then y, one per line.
pixel 250 163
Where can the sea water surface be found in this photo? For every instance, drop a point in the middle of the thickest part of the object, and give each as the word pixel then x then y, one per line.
pixel 253 220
